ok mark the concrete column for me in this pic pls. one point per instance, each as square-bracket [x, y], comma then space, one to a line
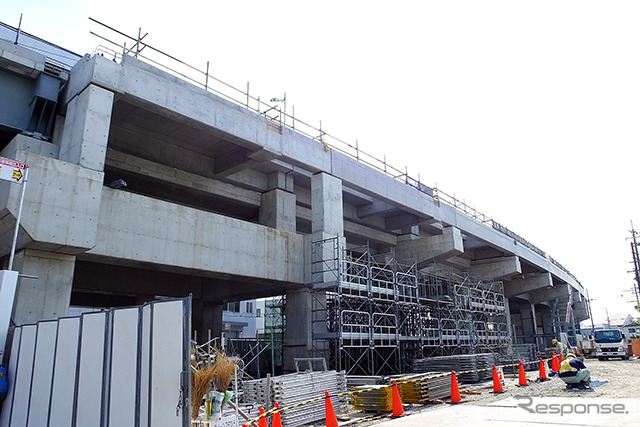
[278, 210]
[298, 335]
[534, 324]
[209, 316]
[527, 323]
[86, 131]
[409, 232]
[327, 218]
[46, 296]
[327, 214]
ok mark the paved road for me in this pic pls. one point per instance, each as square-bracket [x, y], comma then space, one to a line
[554, 411]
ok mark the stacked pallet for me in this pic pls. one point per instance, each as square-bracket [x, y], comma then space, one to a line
[293, 389]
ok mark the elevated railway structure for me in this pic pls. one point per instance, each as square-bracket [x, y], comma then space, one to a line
[228, 198]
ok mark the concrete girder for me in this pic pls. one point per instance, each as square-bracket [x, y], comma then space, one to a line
[544, 295]
[371, 234]
[458, 262]
[399, 221]
[432, 248]
[375, 208]
[518, 287]
[496, 268]
[232, 162]
[129, 163]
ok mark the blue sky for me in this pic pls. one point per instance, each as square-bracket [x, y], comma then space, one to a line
[527, 110]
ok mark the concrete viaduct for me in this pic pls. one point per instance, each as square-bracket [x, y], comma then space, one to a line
[221, 202]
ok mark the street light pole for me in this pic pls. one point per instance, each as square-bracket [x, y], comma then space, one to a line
[590, 312]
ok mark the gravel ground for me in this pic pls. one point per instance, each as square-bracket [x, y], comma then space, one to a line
[619, 377]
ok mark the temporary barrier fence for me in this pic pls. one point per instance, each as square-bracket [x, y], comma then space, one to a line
[121, 367]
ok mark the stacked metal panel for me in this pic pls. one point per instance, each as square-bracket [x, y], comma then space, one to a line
[423, 388]
[469, 364]
[524, 352]
[378, 398]
[293, 389]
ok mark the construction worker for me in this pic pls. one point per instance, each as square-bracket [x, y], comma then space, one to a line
[560, 347]
[574, 373]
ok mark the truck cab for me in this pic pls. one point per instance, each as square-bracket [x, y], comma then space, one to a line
[610, 343]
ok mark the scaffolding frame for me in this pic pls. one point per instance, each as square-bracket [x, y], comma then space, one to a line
[373, 314]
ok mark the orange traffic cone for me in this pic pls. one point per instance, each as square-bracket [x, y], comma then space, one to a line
[263, 419]
[497, 384]
[277, 421]
[543, 372]
[398, 410]
[522, 379]
[330, 416]
[455, 391]
[555, 363]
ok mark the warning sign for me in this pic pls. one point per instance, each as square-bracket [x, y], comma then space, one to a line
[13, 171]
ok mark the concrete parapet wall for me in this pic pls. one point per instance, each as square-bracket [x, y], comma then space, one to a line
[142, 229]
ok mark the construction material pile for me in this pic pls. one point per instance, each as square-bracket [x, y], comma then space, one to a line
[424, 388]
[475, 367]
[292, 389]
[516, 352]
[377, 398]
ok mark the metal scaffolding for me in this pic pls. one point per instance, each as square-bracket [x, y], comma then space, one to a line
[374, 314]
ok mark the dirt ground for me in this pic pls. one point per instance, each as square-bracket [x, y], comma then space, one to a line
[617, 377]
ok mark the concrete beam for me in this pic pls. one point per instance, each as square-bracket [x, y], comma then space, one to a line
[496, 268]
[232, 162]
[544, 295]
[458, 262]
[375, 208]
[528, 284]
[432, 248]
[399, 221]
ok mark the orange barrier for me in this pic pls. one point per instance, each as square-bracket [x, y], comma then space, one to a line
[543, 372]
[277, 421]
[555, 364]
[398, 409]
[455, 391]
[497, 384]
[522, 378]
[330, 416]
[263, 420]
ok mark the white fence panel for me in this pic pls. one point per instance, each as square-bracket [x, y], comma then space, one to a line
[42, 374]
[166, 347]
[23, 376]
[123, 371]
[5, 413]
[91, 366]
[63, 390]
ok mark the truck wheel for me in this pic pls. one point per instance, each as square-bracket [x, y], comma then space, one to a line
[625, 358]
[600, 358]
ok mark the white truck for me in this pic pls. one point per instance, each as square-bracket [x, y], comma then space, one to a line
[610, 343]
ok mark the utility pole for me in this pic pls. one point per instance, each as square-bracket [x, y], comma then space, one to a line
[636, 265]
[590, 312]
